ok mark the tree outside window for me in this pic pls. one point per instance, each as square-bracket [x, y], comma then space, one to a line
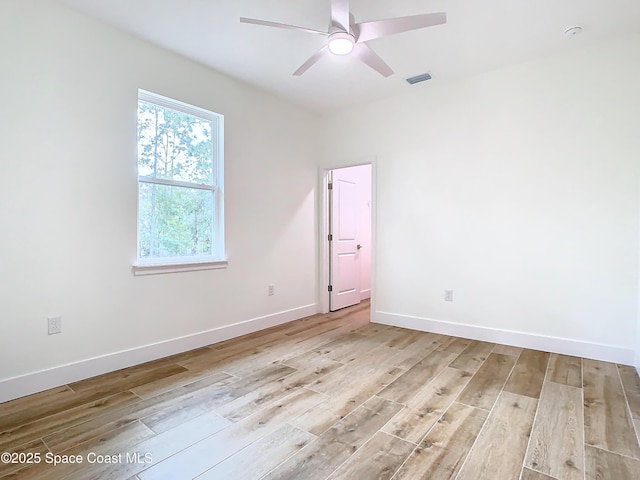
[179, 180]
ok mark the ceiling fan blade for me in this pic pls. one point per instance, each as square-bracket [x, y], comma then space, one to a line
[371, 58]
[340, 14]
[323, 52]
[382, 28]
[280, 25]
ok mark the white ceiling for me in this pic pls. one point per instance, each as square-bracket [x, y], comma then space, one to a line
[479, 36]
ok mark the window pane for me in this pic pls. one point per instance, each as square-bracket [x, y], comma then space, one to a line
[174, 145]
[174, 221]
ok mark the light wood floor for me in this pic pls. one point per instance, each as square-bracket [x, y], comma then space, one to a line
[333, 396]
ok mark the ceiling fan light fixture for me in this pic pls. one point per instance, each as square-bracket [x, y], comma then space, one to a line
[341, 43]
[344, 36]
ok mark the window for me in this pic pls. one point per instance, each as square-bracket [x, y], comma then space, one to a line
[180, 194]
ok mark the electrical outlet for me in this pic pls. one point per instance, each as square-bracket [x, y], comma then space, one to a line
[448, 295]
[271, 290]
[55, 325]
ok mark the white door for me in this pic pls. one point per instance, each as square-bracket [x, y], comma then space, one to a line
[344, 268]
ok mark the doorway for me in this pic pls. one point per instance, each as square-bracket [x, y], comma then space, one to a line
[348, 222]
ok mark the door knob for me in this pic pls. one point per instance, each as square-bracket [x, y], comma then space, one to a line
[358, 246]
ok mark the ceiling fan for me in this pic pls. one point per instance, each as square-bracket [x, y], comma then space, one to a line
[347, 37]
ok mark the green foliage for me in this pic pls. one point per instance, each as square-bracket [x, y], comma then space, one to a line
[174, 221]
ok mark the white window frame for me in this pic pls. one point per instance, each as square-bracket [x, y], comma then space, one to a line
[149, 266]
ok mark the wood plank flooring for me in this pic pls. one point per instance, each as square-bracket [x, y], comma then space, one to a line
[335, 397]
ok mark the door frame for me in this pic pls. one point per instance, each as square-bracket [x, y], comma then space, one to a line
[323, 229]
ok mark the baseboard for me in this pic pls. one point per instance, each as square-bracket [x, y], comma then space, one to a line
[22, 385]
[566, 346]
[364, 294]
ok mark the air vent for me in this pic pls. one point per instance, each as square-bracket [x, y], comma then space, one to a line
[418, 78]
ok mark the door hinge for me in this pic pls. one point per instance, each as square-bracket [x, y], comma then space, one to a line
[330, 186]
[330, 237]
[330, 288]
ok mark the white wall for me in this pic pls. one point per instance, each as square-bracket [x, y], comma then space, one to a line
[637, 359]
[517, 189]
[68, 193]
[637, 363]
[637, 353]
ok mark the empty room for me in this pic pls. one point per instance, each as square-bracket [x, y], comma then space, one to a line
[319, 239]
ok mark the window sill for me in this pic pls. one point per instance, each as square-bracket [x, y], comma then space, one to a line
[158, 268]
